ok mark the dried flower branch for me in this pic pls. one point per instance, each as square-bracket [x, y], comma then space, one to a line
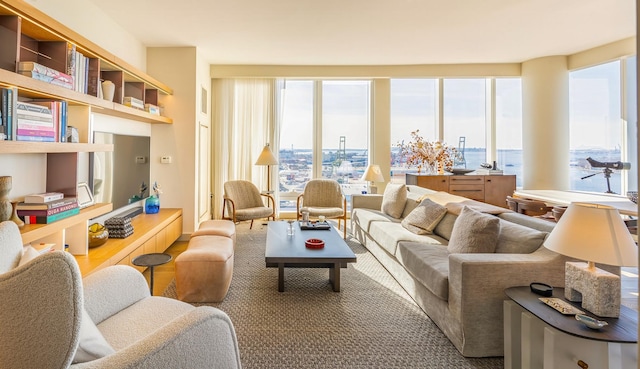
[425, 154]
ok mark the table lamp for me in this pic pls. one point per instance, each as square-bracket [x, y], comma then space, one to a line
[373, 174]
[595, 233]
[267, 158]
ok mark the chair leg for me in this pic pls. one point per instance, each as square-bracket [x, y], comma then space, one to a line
[251, 225]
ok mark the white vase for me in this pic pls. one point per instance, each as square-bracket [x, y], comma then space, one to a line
[108, 90]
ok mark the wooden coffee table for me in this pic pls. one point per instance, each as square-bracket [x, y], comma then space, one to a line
[284, 251]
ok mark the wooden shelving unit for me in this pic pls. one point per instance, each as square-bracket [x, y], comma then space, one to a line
[29, 35]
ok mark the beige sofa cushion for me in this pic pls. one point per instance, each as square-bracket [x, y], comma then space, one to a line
[388, 234]
[474, 232]
[429, 264]
[364, 217]
[424, 218]
[445, 226]
[393, 199]
[518, 239]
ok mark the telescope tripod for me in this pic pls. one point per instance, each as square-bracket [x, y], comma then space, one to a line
[607, 175]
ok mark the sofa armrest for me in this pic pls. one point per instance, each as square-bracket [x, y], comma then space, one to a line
[202, 338]
[367, 201]
[477, 283]
[112, 289]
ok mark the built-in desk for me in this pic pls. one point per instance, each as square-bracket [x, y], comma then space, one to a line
[557, 197]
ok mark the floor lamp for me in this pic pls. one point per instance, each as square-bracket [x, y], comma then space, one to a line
[267, 158]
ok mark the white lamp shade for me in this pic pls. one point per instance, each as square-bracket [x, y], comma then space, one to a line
[593, 232]
[373, 174]
[266, 157]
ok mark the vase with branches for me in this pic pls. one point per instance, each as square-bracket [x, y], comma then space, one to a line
[431, 156]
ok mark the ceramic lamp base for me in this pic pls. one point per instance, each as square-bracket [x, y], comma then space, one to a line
[598, 289]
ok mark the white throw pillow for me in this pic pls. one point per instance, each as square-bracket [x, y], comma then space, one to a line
[424, 218]
[394, 199]
[474, 232]
[92, 344]
[28, 253]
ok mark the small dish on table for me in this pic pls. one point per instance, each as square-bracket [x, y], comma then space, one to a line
[590, 322]
[459, 171]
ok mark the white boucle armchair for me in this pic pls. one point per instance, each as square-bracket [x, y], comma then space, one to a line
[41, 309]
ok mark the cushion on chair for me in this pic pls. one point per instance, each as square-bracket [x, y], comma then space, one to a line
[253, 213]
[393, 199]
[474, 232]
[10, 246]
[91, 345]
[323, 193]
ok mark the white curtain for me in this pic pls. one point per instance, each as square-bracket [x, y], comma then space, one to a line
[245, 115]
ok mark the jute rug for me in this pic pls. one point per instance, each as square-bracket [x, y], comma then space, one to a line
[371, 323]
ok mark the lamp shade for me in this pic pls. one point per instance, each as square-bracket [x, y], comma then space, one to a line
[595, 233]
[373, 174]
[266, 157]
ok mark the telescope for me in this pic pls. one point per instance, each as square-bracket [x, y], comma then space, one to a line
[611, 165]
[608, 169]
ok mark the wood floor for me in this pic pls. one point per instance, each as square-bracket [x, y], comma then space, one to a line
[164, 274]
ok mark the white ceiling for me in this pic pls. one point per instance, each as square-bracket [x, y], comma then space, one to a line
[375, 32]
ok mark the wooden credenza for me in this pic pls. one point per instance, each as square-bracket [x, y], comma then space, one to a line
[490, 189]
[152, 233]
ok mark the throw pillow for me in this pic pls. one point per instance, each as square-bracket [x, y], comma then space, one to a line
[393, 199]
[424, 218]
[474, 232]
[91, 345]
[28, 253]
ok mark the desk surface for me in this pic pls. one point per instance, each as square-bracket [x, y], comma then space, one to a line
[557, 197]
[623, 329]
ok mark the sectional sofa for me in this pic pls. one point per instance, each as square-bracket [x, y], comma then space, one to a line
[462, 292]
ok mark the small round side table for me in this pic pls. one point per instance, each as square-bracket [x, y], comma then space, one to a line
[151, 260]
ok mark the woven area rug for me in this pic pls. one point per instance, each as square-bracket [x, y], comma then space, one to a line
[371, 323]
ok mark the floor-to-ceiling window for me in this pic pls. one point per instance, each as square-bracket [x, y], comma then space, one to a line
[324, 133]
[597, 129]
[508, 126]
[413, 107]
[465, 114]
[473, 112]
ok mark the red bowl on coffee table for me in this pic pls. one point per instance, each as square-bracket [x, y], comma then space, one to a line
[314, 243]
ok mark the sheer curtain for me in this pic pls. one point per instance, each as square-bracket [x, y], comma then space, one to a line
[245, 118]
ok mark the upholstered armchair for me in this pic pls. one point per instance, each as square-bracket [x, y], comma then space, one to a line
[243, 201]
[323, 197]
[51, 318]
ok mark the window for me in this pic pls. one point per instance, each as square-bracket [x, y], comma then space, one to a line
[324, 133]
[509, 126]
[465, 116]
[596, 126]
[413, 107]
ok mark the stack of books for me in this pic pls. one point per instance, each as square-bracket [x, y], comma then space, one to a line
[38, 120]
[133, 102]
[46, 208]
[45, 74]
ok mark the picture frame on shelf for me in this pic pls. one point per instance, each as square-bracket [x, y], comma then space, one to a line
[85, 197]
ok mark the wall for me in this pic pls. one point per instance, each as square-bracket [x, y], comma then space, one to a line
[89, 21]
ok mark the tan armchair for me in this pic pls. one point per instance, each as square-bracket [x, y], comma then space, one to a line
[243, 201]
[323, 197]
[45, 303]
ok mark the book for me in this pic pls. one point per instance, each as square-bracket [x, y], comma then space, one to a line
[39, 198]
[483, 171]
[48, 79]
[133, 102]
[35, 138]
[152, 109]
[44, 71]
[48, 212]
[31, 219]
[36, 132]
[46, 205]
[71, 64]
[9, 101]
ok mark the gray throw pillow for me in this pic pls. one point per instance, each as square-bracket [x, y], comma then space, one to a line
[424, 218]
[474, 232]
[393, 199]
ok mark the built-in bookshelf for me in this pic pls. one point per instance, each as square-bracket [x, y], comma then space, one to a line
[30, 36]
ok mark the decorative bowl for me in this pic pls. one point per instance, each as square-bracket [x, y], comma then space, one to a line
[590, 322]
[633, 196]
[98, 235]
[314, 243]
[459, 171]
